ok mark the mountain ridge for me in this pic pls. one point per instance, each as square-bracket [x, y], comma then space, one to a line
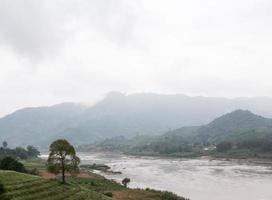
[120, 115]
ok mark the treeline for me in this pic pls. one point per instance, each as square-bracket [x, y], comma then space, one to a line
[18, 152]
[9, 158]
[166, 145]
[256, 145]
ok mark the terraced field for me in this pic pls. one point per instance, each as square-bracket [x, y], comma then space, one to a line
[27, 187]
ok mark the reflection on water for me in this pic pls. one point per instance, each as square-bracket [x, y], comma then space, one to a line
[197, 179]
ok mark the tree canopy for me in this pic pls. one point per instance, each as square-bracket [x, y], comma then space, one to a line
[62, 158]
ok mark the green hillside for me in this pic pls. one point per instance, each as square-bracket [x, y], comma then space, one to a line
[21, 186]
[242, 128]
[27, 187]
[236, 126]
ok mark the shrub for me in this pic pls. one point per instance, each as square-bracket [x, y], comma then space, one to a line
[171, 196]
[9, 163]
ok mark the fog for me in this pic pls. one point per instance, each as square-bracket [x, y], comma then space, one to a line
[59, 51]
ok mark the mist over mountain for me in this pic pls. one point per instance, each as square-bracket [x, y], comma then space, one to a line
[120, 115]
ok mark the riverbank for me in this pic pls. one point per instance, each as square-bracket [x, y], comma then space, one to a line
[88, 180]
[241, 156]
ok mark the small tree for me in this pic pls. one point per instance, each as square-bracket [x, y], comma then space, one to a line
[125, 181]
[32, 151]
[5, 144]
[62, 158]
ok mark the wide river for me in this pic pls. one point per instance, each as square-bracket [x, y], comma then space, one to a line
[197, 179]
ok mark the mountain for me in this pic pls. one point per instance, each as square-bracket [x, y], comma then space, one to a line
[34, 125]
[120, 115]
[237, 126]
[245, 130]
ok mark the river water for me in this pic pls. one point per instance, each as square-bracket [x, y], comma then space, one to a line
[197, 179]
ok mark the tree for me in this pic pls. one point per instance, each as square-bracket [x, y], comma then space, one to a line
[21, 152]
[5, 144]
[125, 181]
[32, 151]
[223, 146]
[62, 158]
[9, 163]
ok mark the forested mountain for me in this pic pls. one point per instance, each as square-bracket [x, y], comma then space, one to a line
[241, 128]
[120, 115]
[236, 126]
[35, 125]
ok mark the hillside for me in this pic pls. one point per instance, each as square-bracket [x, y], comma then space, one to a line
[232, 125]
[25, 187]
[240, 127]
[20, 186]
[35, 125]
[119, 115]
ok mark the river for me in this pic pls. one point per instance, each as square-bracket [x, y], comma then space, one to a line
[197, 179]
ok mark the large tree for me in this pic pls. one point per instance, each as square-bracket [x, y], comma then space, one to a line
[62, 158]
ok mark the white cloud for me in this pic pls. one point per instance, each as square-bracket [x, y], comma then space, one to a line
[70, 50]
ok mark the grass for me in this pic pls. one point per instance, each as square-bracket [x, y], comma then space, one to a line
[28, 187]
[32, 163]
[89, 186]
[119, 192]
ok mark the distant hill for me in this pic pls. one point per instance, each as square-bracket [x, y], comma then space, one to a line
[241, 128]
[239, 125]
[120, 115]
[35, 125]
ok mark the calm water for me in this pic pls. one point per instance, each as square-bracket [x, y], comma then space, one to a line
[197, 179]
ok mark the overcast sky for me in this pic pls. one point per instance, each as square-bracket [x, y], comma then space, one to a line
[54, 51]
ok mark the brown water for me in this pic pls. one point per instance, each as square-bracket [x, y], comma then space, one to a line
[197, 179]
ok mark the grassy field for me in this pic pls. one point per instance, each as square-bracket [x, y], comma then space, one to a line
[28, 187]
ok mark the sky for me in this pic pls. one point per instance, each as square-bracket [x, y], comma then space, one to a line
[54, 51]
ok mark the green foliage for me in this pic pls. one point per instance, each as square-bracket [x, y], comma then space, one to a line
[27, 187]
[9, 163]
[19, 152]
[32, 151]
[170, 196]
[240, 129]
[223, 146]
[62, 158]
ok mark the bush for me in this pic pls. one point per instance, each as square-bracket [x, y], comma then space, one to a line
[9, 163]
[171, 196]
